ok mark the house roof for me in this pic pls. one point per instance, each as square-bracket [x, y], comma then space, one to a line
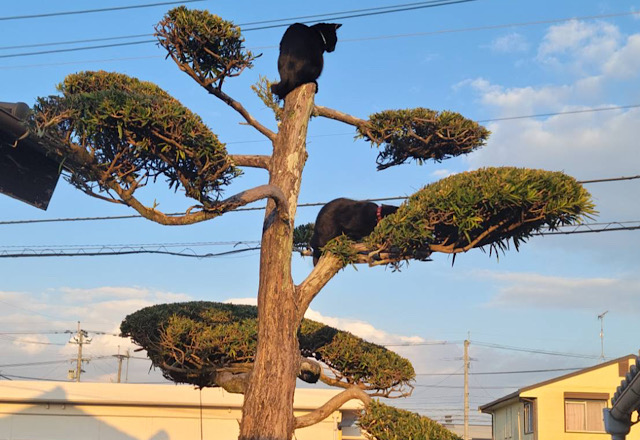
[503, 400]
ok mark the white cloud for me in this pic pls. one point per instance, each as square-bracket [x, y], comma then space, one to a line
[625, 62]
[31, 344]
[76, 295]
[579, 45]
[361, 329]
[243, 301]
[510, 43]
[441, 173]
[587, 145]
[523, 100]
[551, 292]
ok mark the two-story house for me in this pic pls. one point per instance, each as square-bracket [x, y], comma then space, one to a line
[568, 407]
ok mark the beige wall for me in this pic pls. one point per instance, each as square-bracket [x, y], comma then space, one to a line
[508, 422]
[33, 411]
[550, 402]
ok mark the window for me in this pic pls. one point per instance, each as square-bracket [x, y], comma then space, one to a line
[528, 417]
[584, 415]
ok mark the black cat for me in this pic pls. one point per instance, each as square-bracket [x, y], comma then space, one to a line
[300, 59]
[356, 219]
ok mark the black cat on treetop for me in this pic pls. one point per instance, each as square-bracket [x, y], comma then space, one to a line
[300, 59]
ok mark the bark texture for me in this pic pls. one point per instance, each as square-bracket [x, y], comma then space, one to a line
[268, 407]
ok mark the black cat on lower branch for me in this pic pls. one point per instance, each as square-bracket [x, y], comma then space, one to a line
[300, 59]
[354, 218]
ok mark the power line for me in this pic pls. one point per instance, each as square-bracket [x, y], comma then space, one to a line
[587, 228]
[382, 37]
[327, 16]
[75, 49]
[31, 364]
[90, 11]
[497, 26]
[336, 16]
[63, 43]
[534, 351]
[417, 344]
[52, 332]
[111, 250]
[13, 376]
[568, 112]
[459, 387]
[259, 208]
[25, 341]
[186, 253]
[484, 373]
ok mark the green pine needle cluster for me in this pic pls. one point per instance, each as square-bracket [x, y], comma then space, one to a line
[382, 422]
[353, 359]
[190, 341]
[486, 207]
[133, 131]
[212, 48]
[421, 134]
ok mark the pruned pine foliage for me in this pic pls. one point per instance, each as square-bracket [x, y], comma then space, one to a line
[354, 361]
[211, 47]
[486, 207]
[421, 134]
[118, 129]
[263, 90]
[382, 422]
[191, 341]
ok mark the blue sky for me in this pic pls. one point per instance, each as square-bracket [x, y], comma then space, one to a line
[546, 297]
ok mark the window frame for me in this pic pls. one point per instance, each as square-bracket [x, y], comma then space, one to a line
[529, 417]
[585, 398]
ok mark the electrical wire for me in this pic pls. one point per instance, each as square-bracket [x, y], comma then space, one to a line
[90, 11]
[259, 208]
[110, 250]
[535, 351]
[25, 341]
[568, 112]
[383, 37]
[484, 373]
[186, 253]
[31, 364]
[321, 17]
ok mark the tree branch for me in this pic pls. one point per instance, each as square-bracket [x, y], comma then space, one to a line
[233, 202]
[327, 267]
[251, 161]
[218, 93]
[330, 113]
[332, 405]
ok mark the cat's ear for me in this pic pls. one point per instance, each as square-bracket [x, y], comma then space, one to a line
[337, 25]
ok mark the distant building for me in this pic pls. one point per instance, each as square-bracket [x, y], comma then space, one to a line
[569, 407]
[99, 411]
[476, 432]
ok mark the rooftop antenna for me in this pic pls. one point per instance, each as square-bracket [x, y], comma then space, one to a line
[601, 318]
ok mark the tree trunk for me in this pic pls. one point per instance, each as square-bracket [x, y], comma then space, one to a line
[268, 407]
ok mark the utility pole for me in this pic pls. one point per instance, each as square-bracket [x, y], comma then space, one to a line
[601, 318]
[81, 338]
[126, 374]
[120, 358]
[466, 389]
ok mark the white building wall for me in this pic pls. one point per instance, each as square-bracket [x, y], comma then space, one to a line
[63, 411]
